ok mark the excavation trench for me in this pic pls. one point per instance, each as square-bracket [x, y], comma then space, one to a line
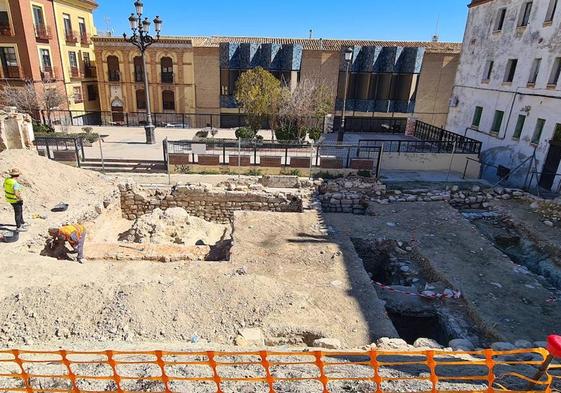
[408, 287]
[521, 250]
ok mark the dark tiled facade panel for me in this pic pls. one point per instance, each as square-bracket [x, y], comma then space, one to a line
[272, 57]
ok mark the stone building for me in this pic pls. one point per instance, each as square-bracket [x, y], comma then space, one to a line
[48, 44]
[389, 81]
[507, 92]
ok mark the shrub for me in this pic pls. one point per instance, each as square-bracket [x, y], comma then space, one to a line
[254, 172]
[259, 137]
[245, 133]
[286, 132]
[87, 130]
[294, 172]
[91, 137]
[314, 133]
[42, 128]
[364, 173]
[201, 134]
[326, 176]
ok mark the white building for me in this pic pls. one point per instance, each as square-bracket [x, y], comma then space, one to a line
[507, 92]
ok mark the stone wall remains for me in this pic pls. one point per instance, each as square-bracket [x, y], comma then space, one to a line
[358, 196]
[211, 204]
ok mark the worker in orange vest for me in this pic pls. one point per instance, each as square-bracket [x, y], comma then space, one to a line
[75, 235]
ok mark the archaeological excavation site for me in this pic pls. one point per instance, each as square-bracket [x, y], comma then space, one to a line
[297, 267]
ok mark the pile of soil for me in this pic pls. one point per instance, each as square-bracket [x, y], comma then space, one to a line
[175, 226]
[47, 183]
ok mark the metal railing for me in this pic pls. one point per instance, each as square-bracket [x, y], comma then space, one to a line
[43, 32]
[428, 132]
[50, 146]
[413, 146]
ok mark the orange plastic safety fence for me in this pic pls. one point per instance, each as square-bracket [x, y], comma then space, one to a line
[270, 372]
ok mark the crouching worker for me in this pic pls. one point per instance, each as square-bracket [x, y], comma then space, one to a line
[75, 235]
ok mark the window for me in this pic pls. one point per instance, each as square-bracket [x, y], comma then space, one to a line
[488, 71]
[113, 67]
[497, 122]
[557, 133]
[78, 95]
[510, 70]
[140, 99]
[82, 26]
[477, 117]
[5, 28]
[519, 127]
[525, 14]
[540, 124]
[45, 59]
[499, 22]
[92, 92]
[551, 11]
[38, 16]
[9, 61]
[168, 100]
[74, 70]
[166, 65]
[534, 72]
[138, 69]
[555, 72]
[67, 25]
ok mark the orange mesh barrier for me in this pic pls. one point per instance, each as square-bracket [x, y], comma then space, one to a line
[269, 372]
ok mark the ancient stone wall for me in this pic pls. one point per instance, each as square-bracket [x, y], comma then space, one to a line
[16, 130]
[211, 204]
[361, 196]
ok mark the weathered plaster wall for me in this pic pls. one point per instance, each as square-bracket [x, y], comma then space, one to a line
[431, 162]
[482, 44]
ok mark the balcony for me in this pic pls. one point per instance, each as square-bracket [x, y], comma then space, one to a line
[71, 37]
[90, 71]
[78, 99]
[43, 33]
[167, 77]
[84, 38]
[75, 72]
[11, 72]
[48, 74]
[114, 76]
[6, 31]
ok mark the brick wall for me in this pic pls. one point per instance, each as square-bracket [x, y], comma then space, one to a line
[211, 204]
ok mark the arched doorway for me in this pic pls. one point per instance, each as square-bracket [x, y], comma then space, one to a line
[117, 111]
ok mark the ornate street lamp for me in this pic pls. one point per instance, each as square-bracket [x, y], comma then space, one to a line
[142, 39]
[348, 59]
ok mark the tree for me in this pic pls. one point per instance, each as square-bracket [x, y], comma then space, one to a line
[32, 99]
[258, 93]
[310, 101]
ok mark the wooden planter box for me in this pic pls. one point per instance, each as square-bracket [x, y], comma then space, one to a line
[243, 161]
[300, 162]
[179, 158]
[362, 164]
[209, 160]
[330, 163]
[271, 161]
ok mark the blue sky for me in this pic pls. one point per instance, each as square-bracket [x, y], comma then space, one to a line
[409, 20]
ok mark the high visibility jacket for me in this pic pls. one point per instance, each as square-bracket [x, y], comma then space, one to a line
[72, 233]
[10, 190]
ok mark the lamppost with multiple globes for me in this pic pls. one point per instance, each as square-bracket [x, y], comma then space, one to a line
[142, 39]
[348, 59]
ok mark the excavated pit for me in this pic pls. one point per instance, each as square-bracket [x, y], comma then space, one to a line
[405, 283]
[521, 250]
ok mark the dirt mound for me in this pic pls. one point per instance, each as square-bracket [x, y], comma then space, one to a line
[175, 226]
[47, 183]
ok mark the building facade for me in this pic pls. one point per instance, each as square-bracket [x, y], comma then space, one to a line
[389, 81]
[34, 47]
[507, 92]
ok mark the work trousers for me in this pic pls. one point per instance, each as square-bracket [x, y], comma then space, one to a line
[18, 212]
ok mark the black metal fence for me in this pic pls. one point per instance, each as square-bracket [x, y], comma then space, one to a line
[66, 149]
[273, 154]
[132, 119]
[410, 146]
[428, 133]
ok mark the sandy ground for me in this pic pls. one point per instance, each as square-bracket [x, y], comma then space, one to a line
[288, 279]
[509, 302]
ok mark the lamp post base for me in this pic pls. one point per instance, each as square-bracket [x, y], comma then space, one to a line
[150, 134]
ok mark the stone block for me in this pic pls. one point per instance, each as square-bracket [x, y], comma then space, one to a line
[250, 337]
[327, 343]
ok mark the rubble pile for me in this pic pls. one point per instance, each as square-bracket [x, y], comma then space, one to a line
[175, 226]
